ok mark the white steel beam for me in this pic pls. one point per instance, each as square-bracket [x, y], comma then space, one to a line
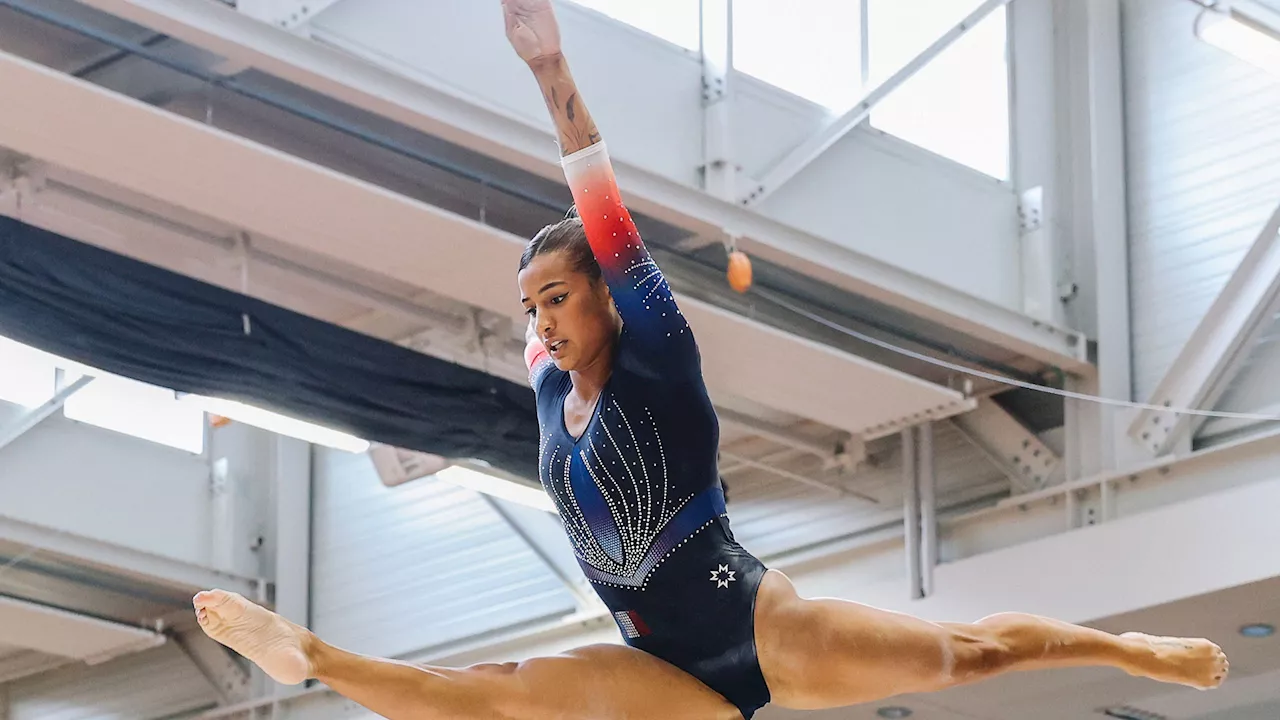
[796, 477]
[288, 14]
[291, 472]
[1099, 226]
[70, 635]
[449, 113]
[919, 509]
[911, 512]
[1213, 353]
[203, 169]
[123, 561]
[926, 472]
[32, 418]
[838, 127]
[839, 445]
[1019, 453]
[719, 171]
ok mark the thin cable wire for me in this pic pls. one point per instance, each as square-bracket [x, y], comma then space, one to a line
[783, 302]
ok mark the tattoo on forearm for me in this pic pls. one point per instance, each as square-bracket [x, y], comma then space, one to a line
[574, 125]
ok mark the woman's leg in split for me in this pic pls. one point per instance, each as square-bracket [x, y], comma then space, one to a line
[827, 653]
[600, 682]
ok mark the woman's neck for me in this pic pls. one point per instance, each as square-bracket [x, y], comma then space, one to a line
[590, 380]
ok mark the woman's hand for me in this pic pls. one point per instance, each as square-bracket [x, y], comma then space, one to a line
[535, 35]
[531, 332]
[532, 30]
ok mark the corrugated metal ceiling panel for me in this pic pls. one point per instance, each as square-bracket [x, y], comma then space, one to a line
[398, 570]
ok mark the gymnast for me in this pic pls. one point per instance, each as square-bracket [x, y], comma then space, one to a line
[628, 454]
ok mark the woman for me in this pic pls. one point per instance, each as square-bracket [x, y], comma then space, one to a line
[628, 453]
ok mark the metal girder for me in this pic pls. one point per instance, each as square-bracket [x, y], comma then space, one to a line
[292, 474]
[920, 511]
[67, 634]
[911, 513]
[797, 477]
[1019, 453]
[168, 572]
[1214, 352]
[837, 128]
[34, 417]
[842, 444]
[288, 14]
[927, 474]
[1095, 175]
[448, 113]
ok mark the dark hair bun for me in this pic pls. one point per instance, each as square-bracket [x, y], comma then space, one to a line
[572, 214]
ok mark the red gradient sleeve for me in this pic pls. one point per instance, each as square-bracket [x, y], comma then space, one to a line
[640, 291]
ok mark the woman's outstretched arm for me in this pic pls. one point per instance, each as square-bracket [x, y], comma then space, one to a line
[639, 289]
[535, 35]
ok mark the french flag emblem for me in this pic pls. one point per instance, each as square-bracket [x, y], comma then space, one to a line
[632, 626]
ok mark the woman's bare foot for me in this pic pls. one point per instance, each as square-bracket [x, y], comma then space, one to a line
[1194, 662]
[266, 639]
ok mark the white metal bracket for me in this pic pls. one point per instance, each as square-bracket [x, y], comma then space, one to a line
[1215, 351]
[1018, 452]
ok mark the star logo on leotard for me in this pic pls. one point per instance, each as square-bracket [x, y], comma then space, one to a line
[723, 576]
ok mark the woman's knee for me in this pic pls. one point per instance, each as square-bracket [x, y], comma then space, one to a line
[977, 651]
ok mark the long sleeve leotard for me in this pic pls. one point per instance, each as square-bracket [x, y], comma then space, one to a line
[639, 492]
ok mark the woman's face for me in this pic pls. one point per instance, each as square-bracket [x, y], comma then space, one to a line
[573, 315]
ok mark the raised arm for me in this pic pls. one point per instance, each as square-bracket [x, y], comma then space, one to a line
[640, 291]
[535, 35]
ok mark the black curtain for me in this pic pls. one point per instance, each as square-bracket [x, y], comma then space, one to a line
[146, 323]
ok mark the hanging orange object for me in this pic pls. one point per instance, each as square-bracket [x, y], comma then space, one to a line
[739, 272]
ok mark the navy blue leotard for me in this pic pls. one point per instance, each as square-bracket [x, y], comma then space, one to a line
[639, 491]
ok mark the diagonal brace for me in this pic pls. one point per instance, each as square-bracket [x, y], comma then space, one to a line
[31, 419]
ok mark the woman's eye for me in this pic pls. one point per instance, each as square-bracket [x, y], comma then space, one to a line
[558, 299]
[531, 311]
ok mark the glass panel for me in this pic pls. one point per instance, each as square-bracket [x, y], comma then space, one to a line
[811, 48]
[143, 411]
[676, 21]
[26, 374]
[899, 30]
[958, 105]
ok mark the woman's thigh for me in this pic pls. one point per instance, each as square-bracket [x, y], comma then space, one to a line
[826, 653]
[608, 682]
